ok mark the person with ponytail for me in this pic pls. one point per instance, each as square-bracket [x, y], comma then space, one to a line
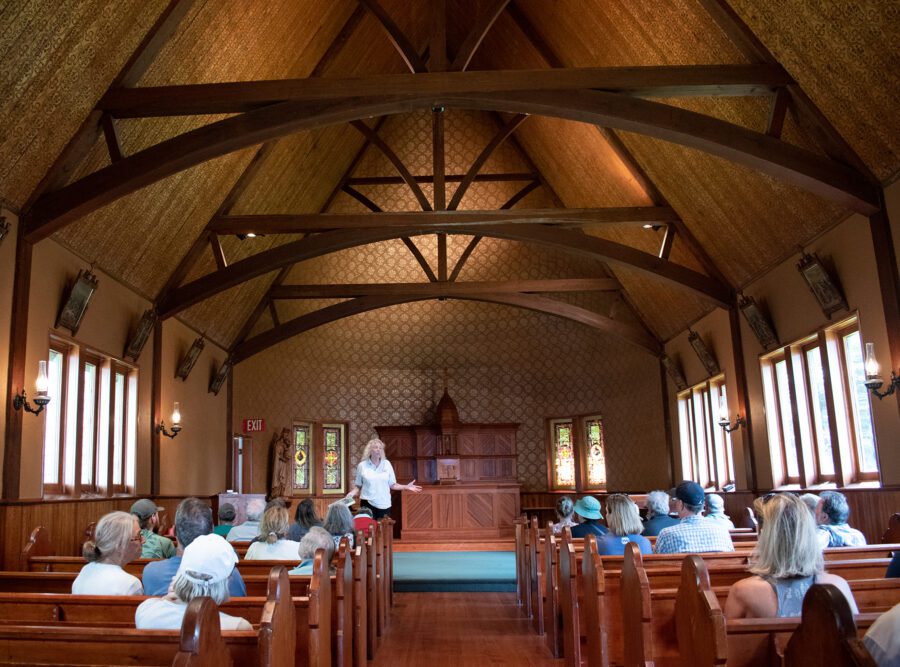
[117, 541]
[271, 543]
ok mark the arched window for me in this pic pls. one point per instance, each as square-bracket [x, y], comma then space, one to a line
[576, 453]
[319, 462]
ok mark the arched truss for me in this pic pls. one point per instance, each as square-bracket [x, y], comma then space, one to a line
[572, 242]
[820, 175]
[541, 304]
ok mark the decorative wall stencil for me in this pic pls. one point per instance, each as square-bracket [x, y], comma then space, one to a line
[706, 358]
[219, 378]
[189, 359]
[759, 322]
[824, 287]
[141, 334]
[76, 302]
[674, 370]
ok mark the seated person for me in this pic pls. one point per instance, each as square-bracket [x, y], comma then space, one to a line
[693, 534]
[226, 518]
[893, 571]
[205, 566]
[832, 513]
[715, 510]
[117, 541]
[587, 511]
[193, 518]
[339, 522]
[787, 560]
[317, 538]
[249, 530]
[305, 517]
[363, 520]
[271, 544]
[811, 500]
[883, 638]
[657, 513]
[565, 509]
[155, 546]
[624, 521]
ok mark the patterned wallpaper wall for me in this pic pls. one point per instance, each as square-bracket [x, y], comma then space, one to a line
[505, 365]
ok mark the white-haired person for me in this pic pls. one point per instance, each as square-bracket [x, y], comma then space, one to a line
[375, 479]
[205, 567]
[715, 510]
[339, 523]
[565, 514]
[832, 513]
[787, 560]
[624, 521]
[658, 503]
[316, 538]
[271, 543]
[117, 541]
[249, 530]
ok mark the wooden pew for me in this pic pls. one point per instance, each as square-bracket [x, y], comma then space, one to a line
[360, 611]
[595, 616]
[536, 585]
[893, 532]
[552, 615]
[519, 526]
[371, 596]
[704, 638]
[201, 643]
[105, 634]
[568, 601]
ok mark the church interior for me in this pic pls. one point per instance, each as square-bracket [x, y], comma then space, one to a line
[538, 248]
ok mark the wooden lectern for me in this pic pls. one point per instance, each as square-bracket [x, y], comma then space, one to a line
[448, 471]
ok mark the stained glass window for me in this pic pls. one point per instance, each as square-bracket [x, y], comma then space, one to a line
[333, 457]
[596, 452]
[563, 454]
[302, 442]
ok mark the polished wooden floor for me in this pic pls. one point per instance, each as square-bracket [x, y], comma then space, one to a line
[444, 629]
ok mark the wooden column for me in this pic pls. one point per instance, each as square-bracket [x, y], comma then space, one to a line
[229, 430]
[155, 407]
[18, 336]
[740, 381]
[886, 264]
[667, 421]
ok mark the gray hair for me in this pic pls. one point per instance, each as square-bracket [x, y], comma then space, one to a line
[564, 507]
[187, 589]
[657, 504]
[317, 538]
[111, 536]
[811, 500]
[338, 520]
[835, 507]
[193, 518]
[255, 509]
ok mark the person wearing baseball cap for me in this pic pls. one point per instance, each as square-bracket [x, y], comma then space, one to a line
[587, 512]
[155, 546]
[207, 563]
[694, 533]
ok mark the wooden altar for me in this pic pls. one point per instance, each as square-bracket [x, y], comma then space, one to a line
[468, 475]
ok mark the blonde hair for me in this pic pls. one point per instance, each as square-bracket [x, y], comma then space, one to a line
[622, 515]
[368, 448]
[111, 536]
[788, 545]
[274, 524]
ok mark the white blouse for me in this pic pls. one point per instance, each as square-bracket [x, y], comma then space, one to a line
[281, 550]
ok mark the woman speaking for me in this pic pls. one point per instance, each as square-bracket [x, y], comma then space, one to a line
[375, 480]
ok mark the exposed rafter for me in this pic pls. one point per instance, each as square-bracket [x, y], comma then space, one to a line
[477, 34]
[442, 289]
[403, 46]
[571, 242]
[339, 311]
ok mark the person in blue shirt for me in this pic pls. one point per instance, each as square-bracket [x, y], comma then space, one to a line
[587, 510]
[624, 521]
[193, 518]
[657, 513]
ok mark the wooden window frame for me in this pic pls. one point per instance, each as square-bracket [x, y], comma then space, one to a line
[704, 466]
[317, 458]
[580, 445]
[118, 368]
[59, 487]
[92, 488]
[803, 349]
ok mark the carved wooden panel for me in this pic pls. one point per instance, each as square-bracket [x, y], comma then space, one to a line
[427, 471]
[417, 511]
[398, 445]
[426, 443]
[488, 469]
[504, 443]
[468, 470]
[467, 443]
[404, 469]
[480, 510]
[507, 508]
[450, 510]
[486, 443]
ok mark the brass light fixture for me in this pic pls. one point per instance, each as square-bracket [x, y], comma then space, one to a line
[176, 424]
[41, 398]
[873, 380]
[726, 425]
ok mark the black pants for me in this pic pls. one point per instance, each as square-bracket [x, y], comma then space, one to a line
[377, 512]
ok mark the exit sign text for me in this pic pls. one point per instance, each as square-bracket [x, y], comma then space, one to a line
[254, 425]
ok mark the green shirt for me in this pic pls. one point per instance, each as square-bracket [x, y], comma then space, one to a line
[222, 529]
[156, 546]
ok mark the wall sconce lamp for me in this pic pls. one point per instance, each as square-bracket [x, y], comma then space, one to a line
[41, 398]
[723, 418]
[873, 381]
[176, 424]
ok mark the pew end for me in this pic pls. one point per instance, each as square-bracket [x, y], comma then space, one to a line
[201, 643]
[699, 620]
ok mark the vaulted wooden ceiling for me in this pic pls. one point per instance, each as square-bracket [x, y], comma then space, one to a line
[152, 137]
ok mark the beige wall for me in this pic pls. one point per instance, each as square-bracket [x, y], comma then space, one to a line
[795, 314]
[113, 312]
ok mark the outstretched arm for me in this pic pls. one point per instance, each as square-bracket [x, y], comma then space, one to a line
[412, 486]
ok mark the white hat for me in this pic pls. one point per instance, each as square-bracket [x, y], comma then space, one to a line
[210, 556]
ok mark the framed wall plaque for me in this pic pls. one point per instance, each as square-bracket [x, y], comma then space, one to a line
[674, 371]
[219, 378]
[824, 287]
[189, 359]
[706, 358]
[141, 334]
[759, 323]
[76, 303]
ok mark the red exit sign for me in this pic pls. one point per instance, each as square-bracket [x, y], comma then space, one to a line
[254, 425]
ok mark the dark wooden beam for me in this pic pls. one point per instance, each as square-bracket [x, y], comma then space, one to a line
[464, 257]
[743, 398]
[358, 196]
[482, 158]
[217, 251]
[437, 46]
[420, 258]
[645, 81]
[437, 159]
[112, 138]
[317, 222]
[401, 43]
[441, 289]
[541, 304]
[477, 34]
[521, 194]
[156, 415]
[448, 178]
[821, 176]
[273, 313]
[395, 160]
[317, 245]
[888, 282]
[338, 43]
[257, 312]
[667, 421]
[777, 112]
